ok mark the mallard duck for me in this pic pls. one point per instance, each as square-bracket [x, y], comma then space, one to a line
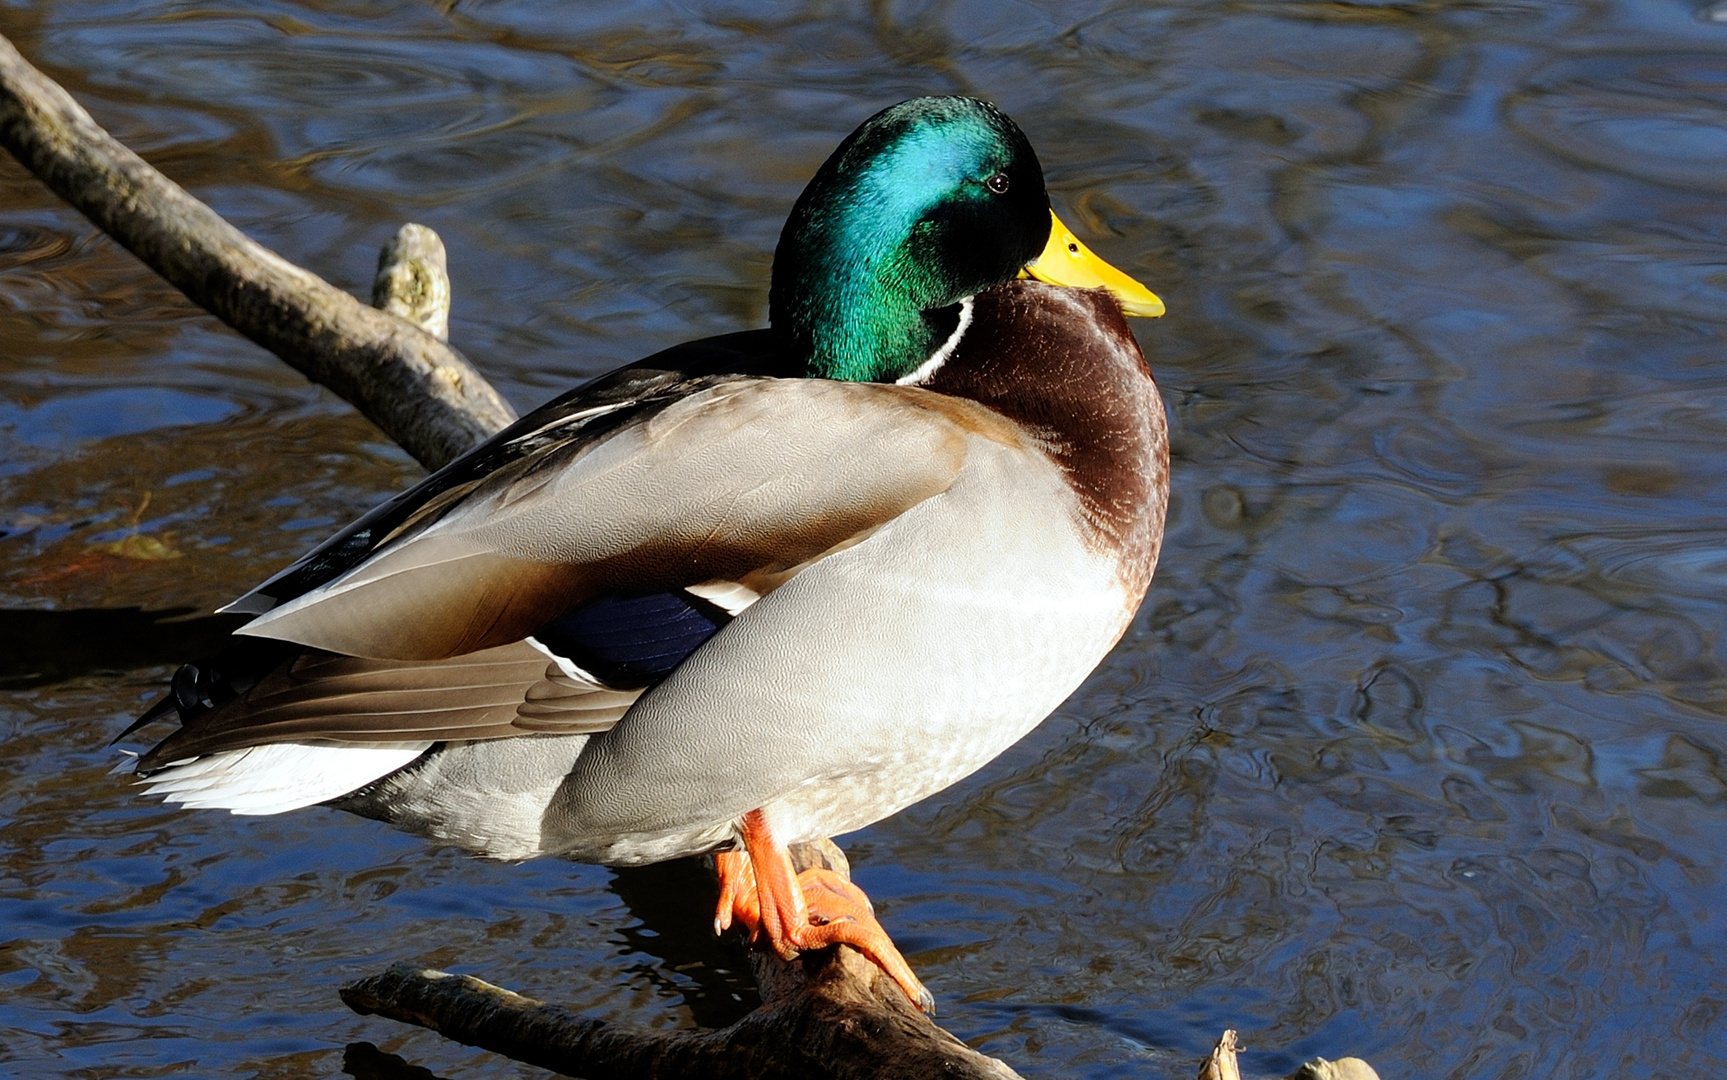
[753, 590]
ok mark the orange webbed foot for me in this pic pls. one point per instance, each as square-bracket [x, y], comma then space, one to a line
[840, 914]
[738, 902]
[811, 910]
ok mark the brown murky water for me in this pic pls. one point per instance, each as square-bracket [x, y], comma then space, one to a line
[1416, 751]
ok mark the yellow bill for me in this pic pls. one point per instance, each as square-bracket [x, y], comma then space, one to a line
[1066, 261]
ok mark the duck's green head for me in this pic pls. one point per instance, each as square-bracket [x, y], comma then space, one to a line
[929, 202]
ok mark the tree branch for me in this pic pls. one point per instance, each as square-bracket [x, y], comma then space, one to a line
[413, 281]
[827, 1030]
[421, 392]
[831, 1013]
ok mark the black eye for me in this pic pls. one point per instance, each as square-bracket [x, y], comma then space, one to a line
[997, 183]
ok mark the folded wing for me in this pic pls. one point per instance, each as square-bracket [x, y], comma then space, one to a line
[743, 480]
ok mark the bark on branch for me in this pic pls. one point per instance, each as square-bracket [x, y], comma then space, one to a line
[421, 392]
[830, 1014]
[827, 1030]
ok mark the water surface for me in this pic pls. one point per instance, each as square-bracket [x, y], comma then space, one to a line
[1416, 751]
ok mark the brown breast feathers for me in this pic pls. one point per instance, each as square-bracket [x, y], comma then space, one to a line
[1062, 363]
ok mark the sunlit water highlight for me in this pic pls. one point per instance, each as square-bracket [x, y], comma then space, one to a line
[1416, 751]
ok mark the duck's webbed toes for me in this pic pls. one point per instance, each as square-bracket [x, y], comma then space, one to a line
[840, 914]
[738, 903]
[789, 912]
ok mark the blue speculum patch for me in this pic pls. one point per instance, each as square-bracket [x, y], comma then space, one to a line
[633, 640]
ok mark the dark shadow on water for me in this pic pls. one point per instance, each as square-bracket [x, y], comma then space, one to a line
[674, 905]
[363, 1061]
[43, 647]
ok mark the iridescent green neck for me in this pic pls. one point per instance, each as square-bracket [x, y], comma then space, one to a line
[901, 221]
[860, 303]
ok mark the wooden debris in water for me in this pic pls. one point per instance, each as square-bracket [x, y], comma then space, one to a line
[413, 281]
[1342, 1069]
[1221, 1064]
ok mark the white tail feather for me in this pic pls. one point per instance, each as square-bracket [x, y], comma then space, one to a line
[277, 777]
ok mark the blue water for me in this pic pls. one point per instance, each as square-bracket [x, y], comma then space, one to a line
[1416, 751]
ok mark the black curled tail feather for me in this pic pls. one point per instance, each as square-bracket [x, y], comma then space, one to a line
[204, 685]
